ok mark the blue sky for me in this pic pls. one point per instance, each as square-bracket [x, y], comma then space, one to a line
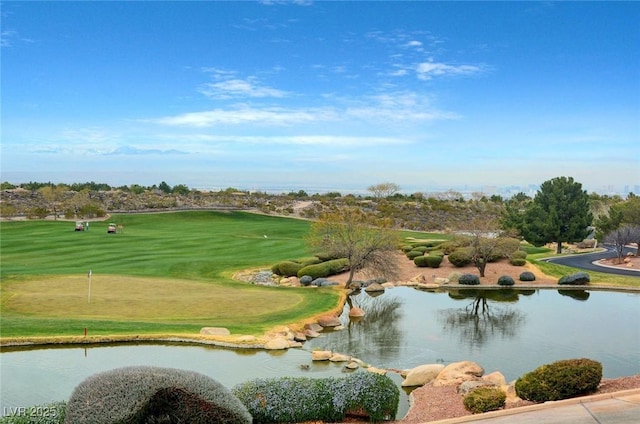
[321, 95]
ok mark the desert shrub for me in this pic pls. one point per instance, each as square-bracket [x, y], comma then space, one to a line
[469, 279]
[519, 254]
[448, 247]
[306, 280]
[37, 213]
[51, 413]
[153, 394]
[288, 268]
[319, 399]
[325, 269]
[527, 276]
[484, 399]
[517, 261]
[508, 246]
[586, 244]
[420, 261]
[505, 280]
[460, 257]
[454, 277]
[414, 254]
[560, 380]
[436, 252]
[578, 278]
[433, 261]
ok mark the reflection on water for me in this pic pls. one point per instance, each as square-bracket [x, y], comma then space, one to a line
[513, 331]
[506, 330]
[480, 320]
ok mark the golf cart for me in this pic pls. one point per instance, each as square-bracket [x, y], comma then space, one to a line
[111, 229]
[79, 226]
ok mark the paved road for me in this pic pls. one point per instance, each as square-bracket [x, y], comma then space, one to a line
[584, 261]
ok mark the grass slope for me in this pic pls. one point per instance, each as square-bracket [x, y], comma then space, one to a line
[166, 273]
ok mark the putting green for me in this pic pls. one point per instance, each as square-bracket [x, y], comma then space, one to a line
[116, 297]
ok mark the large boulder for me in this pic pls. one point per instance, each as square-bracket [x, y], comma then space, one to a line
[356, 312]
[329, 321]
[421, 375]
[374, 288]
[458, 372]
[277, 343]
[153, 395]
[321, 355]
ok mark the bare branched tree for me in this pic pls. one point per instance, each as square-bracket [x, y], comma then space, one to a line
[382, 190]
[621, 237]
[368, 243]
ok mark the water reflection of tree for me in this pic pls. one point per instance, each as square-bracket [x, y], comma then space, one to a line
[377, 334]
[480, 321]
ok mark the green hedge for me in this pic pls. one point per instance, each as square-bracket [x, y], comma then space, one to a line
[325, 269]
[484, 399]
[560, 380]
[517, 261]
[153, 394]
[290, 400]
[287, 268]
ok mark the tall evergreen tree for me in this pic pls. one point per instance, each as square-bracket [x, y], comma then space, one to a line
[559, 213]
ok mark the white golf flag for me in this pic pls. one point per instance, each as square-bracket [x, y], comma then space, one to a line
[90, 273]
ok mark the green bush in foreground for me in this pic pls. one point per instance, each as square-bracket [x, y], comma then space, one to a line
[412, 254]
[484, 399]
[579, 278]
[51, 413]
[290, 400]
[420, 261]
[287, 268]
[325, 269]
[560, 380]
[153, 395]
[428, 261]
[517, 261]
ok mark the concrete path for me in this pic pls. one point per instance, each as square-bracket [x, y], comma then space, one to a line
[611, 408]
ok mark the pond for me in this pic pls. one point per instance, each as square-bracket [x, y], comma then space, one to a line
[510, 331]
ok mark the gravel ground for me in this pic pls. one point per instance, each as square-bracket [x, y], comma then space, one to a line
[439, 403]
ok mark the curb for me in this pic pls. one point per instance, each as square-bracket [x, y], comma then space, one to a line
[538, 407]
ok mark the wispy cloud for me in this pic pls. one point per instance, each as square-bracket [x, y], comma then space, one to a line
[428, 70]
[130, 150]
[234, 88]
[273, 116]
[297, 140]
[9, 37]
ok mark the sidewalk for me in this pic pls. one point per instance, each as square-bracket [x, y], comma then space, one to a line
[611, 408]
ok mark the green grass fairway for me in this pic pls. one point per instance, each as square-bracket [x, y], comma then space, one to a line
[167, 273]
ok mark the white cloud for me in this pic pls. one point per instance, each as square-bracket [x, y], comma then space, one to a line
[233, 88]
[247, 115]
[298, 140]
[427, 70]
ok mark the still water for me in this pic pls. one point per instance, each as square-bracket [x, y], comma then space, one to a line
[513, 332]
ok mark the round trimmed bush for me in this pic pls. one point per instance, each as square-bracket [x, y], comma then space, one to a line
[520, 254]
[153, 395]
[560, 380]
[406, 248]
[414, 254]
[420, 248]
[433, 261]
[484, 399]
[579, 278]
[460, 257]
[517, 261]
[527, 276]
[505, 280]
[420, 261]
[469, 280]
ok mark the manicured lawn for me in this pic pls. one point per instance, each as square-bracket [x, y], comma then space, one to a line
[167, 273]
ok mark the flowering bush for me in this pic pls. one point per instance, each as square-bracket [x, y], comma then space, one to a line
[288, 399]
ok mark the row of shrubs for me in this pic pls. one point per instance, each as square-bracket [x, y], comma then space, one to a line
[151, 394]
[314, 267]
[460, 253]
[556, 381]
[291, 400]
